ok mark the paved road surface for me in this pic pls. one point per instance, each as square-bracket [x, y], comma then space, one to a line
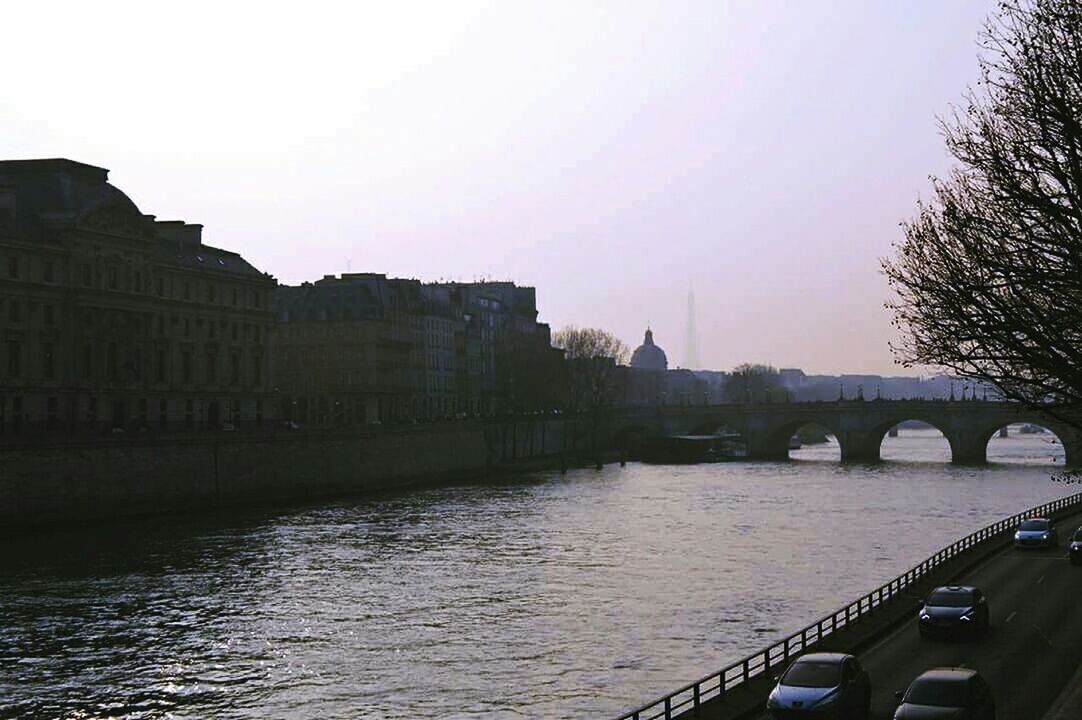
[1033, 647]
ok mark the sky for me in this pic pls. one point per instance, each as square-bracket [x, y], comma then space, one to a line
[613, 154]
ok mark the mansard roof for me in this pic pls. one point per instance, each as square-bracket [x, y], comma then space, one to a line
[58, 191]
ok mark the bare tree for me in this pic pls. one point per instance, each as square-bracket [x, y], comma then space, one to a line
[592, 356]
[753, 383]
[988, 280]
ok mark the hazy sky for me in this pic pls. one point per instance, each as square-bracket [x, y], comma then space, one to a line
[609, 153]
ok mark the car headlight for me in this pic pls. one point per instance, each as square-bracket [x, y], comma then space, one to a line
[924, 617]
[1044, 535]
[968, 614]
[1017, 534]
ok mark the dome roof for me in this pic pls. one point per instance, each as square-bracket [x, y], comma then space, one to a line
[649, 356]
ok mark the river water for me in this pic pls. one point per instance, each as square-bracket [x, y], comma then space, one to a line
[541, 596]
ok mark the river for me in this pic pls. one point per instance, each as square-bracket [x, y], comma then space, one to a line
[541, 596]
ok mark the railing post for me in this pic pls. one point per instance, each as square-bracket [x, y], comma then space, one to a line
[747, 671]
[668, 708]
[696, 700]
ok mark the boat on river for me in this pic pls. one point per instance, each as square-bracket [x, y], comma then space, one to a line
[687, 449]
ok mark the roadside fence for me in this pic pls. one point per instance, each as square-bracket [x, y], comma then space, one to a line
[730, 677]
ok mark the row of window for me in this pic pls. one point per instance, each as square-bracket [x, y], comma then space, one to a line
[117, 368]
[118, 413]
[118, 278]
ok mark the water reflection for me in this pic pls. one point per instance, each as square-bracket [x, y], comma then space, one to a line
[544, 596]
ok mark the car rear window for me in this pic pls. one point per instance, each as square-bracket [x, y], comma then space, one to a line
[1033, 525]
[948, 598]
[944, 692]
[813, 674]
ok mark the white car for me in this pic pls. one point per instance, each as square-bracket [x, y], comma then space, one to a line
[1036, 532]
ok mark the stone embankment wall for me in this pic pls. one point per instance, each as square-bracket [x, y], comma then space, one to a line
[44, 483]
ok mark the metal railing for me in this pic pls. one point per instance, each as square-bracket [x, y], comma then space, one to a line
[718, 683]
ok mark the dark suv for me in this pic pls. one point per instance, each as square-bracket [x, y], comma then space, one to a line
[952, 609]
[947, 693]
[1076, 547]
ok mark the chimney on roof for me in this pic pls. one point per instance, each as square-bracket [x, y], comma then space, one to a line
[185, 235]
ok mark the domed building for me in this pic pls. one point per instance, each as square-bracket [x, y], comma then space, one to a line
[649, 356]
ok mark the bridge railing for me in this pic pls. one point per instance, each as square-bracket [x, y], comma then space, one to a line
[730, 677]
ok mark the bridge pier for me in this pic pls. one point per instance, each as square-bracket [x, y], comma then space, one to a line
[859, 447]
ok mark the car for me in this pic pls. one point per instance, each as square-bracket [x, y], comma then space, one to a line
[1036, 532]
[822, 686]
[1076, 547]
[946, 692]
[953, 609]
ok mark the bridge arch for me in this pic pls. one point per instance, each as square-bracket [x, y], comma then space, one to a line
[1066, 438]
[869, 447]
[774, 443]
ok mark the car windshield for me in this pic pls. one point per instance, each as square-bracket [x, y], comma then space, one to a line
[943, 692]
[947, 598]
[1034, 525]
[813, 674]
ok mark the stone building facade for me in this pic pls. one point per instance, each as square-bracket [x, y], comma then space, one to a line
[113, 320]
[365, 348]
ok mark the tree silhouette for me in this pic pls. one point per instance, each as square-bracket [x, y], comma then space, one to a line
[988, 280]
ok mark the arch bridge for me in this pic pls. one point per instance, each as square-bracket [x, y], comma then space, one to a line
[858, 425]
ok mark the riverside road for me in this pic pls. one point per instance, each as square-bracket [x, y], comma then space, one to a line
[1031, 651]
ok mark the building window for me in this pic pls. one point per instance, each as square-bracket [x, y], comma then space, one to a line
[88, 361]
[187, 290]
[235, 332]
[48, 369]
[143, 412]
[235, 297]
[234, 362]
[161, 366]
[13, 266]
[186, 366]
[50, 413]
[189, 414]
[14, 352]
[48, 314]
[138, 282]
[110, 274]
[17, 414]
[210, 291]
[257, 370]
[187, 327]
[87, 275]
[13, 311]
[163, 413]
[161, 287]
[47, 272]
[212, 367]
[110, 361]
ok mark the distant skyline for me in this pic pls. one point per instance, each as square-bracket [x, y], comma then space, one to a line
[606, 153]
